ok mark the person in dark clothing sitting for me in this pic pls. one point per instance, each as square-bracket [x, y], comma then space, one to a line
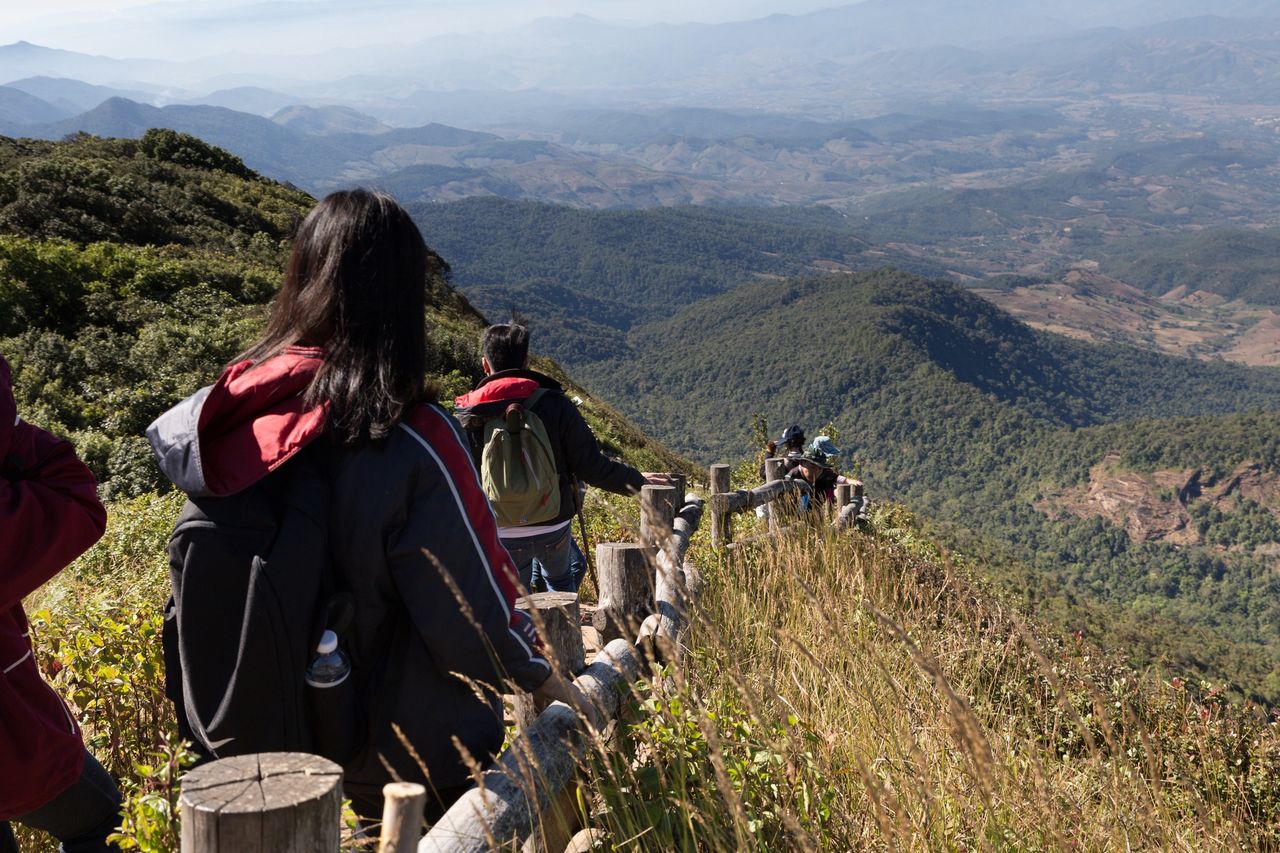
[577, 455]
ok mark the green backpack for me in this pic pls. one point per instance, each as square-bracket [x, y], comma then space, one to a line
[518, 467]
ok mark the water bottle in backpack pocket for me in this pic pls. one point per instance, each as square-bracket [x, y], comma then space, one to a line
[331, 696]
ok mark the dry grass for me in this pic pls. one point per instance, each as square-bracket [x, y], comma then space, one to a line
[861, 692]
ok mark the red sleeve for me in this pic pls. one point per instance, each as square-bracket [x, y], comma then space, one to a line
[49, 511]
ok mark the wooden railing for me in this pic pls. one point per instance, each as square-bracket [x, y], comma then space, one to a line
[647, 589]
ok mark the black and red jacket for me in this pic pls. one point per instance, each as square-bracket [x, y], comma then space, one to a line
[577, 453]
[407, 509]
[49, 515]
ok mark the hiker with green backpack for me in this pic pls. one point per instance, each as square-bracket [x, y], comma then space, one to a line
[533, 449]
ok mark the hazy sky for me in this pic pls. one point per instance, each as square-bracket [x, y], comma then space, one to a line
[183, 28]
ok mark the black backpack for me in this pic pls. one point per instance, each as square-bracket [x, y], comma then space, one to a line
[252, 594]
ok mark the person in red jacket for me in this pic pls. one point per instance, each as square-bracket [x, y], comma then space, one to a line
[49, 515]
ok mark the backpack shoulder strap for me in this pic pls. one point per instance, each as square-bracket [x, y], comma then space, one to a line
[532, 399]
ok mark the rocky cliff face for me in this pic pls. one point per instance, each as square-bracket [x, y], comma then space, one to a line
[1155, 506]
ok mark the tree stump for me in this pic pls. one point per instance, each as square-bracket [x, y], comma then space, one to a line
[721, 522]
[626, 576]
[278, 801]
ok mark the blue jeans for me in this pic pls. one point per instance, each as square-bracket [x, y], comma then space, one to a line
[543, 561]
[81, 817]
[577, 563]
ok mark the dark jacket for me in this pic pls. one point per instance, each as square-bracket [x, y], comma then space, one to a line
[49, 515]
[824, 486]
[577, 453]
[413, 534]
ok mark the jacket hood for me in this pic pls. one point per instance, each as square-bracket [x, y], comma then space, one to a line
[504, 386]
[502, 391]
[228, 436]
[8, 409]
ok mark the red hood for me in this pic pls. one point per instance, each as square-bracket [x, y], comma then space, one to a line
[498, 391]
[225, 438]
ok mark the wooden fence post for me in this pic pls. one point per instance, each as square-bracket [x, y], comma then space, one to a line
[657, 514]
[681, 482]
[280, 801]
[626, 576]
[555, 615]
[402, 804]
[721, 523]
[773, 473]
[844, 494]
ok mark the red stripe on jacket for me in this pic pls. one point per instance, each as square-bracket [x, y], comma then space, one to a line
[441, 433]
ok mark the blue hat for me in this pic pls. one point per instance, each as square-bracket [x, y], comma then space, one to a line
[823, 447]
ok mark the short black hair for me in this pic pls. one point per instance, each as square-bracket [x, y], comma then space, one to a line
[506, 345]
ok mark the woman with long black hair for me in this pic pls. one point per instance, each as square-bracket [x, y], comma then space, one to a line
[434, 637]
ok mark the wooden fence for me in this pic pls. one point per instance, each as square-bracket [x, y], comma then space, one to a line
[291, 801]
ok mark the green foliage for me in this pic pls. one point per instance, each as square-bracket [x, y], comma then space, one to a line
[1249, 526]
[105, 337]
[88, 189]
[151, 801]
[186, 150]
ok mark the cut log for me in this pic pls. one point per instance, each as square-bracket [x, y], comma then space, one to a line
[504, 809]
[772, 474]
[279, 801]
[555, 615]
[657, 514]
[402, 804]
[744, 499]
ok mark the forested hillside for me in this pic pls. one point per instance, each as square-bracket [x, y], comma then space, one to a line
[588, 277]
[977, 420]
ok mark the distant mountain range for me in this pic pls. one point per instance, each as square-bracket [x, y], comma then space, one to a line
[835, 63]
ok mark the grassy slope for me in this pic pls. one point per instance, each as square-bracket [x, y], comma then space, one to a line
[868, 693]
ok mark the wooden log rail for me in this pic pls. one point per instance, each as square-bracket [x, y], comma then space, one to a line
[725, 503]
[506, 807]
[290, 801]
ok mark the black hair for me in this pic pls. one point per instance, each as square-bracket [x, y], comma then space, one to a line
[356, 287]
[506, 345]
